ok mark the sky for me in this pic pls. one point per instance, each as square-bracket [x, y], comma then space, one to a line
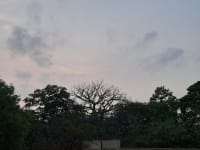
[136, 45]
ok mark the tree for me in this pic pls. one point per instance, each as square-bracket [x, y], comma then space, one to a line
[70, 136]
[161, 94]
[98, 99]
[15, 124]
[60, 120]
[190, 113]
[61, 133]
[163, 103]
[130, 121]
[167, 133]
[50, 102]
[190, 105]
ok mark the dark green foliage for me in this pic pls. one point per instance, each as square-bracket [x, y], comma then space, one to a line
[61, 134]
[162, 94]
[190, 113]
[190, 105]
[130, 116]
[59, 120]
[15, 124]
[53, 121]
[165, 98]
[50, 102]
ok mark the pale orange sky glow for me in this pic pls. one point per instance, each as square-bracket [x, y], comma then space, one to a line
[135, 45]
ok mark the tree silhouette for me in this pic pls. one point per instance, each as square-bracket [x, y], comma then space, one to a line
[98, 99]
[15, 124]
[50, 102]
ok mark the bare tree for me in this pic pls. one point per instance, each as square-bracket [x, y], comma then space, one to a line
[98, 98]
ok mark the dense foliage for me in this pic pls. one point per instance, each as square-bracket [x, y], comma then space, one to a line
[55, 119]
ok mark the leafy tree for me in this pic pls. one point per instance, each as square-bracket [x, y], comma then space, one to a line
[163, 104]
[166, 133]
[98, 99]
[161, 94]
[190, 113]
[190, 105]
[61, 133]
[131, 120]
[50, 102]
[60, 120]
[15, 124]
[71, 136]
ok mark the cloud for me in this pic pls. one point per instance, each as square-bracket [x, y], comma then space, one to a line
[167, 57]
[22, 42]
[170, 55]
[23, 75]
[148, 37]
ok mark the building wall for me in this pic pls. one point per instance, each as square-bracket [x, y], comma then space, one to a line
[92, 145]
[115, 145]
[111, 144]
[102, 145]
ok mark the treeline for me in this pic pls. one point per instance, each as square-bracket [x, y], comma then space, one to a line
[53, 118]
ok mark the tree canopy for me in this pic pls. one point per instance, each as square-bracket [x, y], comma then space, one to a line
[98, 99]
[54, 118]
[15, 124]
[50, 102]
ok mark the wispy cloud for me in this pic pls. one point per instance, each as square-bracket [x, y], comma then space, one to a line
[170, 55]
[167, 57]
[148, 37]
[22, 42]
